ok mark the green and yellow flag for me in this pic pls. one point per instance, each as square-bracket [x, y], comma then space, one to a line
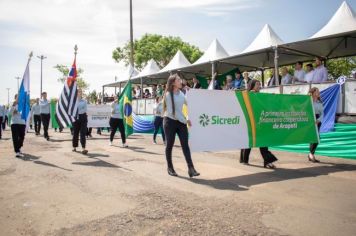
[125, 101]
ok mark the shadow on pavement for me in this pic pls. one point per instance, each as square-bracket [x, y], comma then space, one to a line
[50, 165]
[243, 182]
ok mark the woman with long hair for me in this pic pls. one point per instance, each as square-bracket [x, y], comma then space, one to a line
[80, 124]
[175, 123]
[319, 115]
[268, 157]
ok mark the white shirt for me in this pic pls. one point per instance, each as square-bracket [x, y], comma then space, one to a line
[16, 116]
[287, 79]
[179, 101]
[309, 76]
[2, 111]
[158, 109]
[36, 110]
[319, 110]
[82, 106]
[115, 111]
[300, 75]
[320, 74]
[44, 106]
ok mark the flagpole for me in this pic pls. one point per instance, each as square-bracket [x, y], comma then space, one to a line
[75, 52]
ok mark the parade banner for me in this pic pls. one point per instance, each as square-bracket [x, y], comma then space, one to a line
[98, 116]
[227, 120]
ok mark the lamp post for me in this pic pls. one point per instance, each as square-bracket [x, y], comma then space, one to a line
[42, 58]
[115, 85]
[18, 86]
[8, 97]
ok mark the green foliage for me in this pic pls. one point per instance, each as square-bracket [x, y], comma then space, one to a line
[64, 71]
[341, 66]
[157, 47]
[93, 97]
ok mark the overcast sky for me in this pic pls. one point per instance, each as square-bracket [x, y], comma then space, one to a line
[53, 27]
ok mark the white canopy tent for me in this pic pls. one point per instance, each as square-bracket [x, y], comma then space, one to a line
[149, 69]
[265, 39]
[214, 52]
[178, 61]
[342, 21]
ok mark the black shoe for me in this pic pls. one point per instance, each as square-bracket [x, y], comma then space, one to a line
[47, 138]
[192, 172]
[172, 172]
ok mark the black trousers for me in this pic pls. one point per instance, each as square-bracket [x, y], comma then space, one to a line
[3, 125]
[45, 122]
[80, 126]
[89, 130]
[1, 120]
[114, 124]
[37, 121]
[313, 146]
[171, 128]
[267, 156]
[158, 123]
[18, 136]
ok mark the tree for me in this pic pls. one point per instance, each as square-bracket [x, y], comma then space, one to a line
[341, 66]
[93, 97]
[64, 70]
[157, 47]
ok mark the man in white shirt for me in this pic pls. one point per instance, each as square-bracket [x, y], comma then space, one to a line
[320, 72]
[45, 114]
[299, 73]
[309, 73]
[286, 77]
[36, 114]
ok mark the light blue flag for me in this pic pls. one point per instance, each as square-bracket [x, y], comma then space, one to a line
[24, 96]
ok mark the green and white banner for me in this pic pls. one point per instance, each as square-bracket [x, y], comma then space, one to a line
[227, 120]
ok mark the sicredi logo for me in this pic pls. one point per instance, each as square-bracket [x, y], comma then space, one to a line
[204, 120]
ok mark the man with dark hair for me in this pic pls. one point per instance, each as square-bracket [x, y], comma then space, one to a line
[320, 72]
[309, 74]
[299, 73]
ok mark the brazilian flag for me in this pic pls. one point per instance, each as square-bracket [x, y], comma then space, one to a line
[125, 101]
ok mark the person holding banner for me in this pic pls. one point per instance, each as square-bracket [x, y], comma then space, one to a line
[45, 114]
[319, 115]
[268, 157]
[18, 128]
[175, 123]
[158, 121]
[80, 124]
[116, 121]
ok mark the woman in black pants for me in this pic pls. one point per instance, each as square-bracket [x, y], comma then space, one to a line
[268, 157]
[116, 121]
[18, 127]
[158, 121]
[174, 123]
[80, 124]
[319, 115]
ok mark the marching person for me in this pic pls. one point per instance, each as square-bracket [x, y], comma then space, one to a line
[319, 115]
[174, 123]
[116, 121]
[158, 121]
[80, 124]
[267, 156]
[18, 127]
[45, 114]
[36, 114]
[2, 118]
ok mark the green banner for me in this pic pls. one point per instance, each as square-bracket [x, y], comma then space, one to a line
[53, 115]
[278, 119]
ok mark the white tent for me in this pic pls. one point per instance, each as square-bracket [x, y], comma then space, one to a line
[214, 52]
[342, 21]
[178, 61]
[265, 39]
[130, 72]
[150, 68]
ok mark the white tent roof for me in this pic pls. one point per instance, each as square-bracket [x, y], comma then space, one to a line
[150, 68]
[130, 72]
[215, 51]
[178, 61]
[342, 21]
[266, 38]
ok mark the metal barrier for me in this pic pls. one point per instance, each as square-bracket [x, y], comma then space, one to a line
[143, 106]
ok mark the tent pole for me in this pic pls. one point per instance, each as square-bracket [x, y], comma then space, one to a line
[263, 77]
[120, 88]
[276, 73]
[213, 69]
[102, 96]
[141, 88]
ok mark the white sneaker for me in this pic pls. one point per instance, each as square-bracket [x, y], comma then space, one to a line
[110, 143]
[124, 145]
[18, 154]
